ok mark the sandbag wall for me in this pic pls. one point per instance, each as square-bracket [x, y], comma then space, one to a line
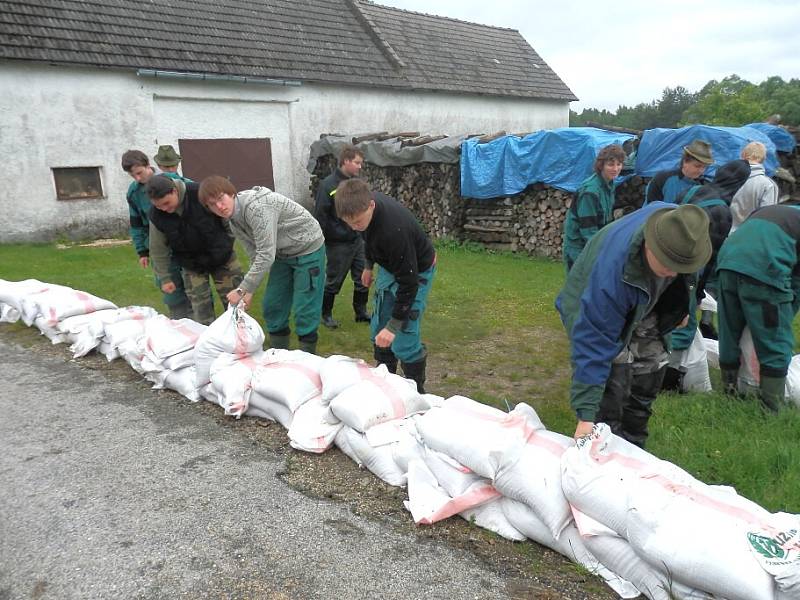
[531, 221]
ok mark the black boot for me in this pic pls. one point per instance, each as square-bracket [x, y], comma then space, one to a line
[636, 412]
[730, 381]
[385, 356]
[673, 380]
[615, 394]
[360, 306]
[707, 325]
[416, 371]
[773, 393]
[327, 308]
[308, 342]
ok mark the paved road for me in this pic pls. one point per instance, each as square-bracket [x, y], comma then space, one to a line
[107, 491]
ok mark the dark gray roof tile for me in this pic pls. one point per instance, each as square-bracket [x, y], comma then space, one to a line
[348, 42]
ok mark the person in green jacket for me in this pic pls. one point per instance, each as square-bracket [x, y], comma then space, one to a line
[136, 164]
[594, 202]
[759, 287]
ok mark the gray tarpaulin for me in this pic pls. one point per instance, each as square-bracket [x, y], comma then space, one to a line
[389, 153]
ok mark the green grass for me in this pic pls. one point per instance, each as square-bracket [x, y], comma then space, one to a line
[493, 335]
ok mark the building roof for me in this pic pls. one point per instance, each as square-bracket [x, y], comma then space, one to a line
[348, 42]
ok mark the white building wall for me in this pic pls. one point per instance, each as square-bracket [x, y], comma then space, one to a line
[82, 117]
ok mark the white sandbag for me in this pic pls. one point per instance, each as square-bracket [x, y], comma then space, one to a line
[388, 462]
[696, 378]
[337, 373]
[749, 368]
[479, 437]
[291, 377]
[377, 400]
[59, 302]
[12, 293]
[793, 381]
[166, 337]
[8, 314]
[107, 350]
[708, 303]
[618, 556]
[598, 472]
[712, 352]
[49, 331]
[569, 544]
[234, 332]
[181, 381]
[428, 502]
[132, 352]
[777, 550]
[490, 516]
[535, 479]
[120, 332]
[87, 331]
[259, 406]
[310, 430]
[231, 377]
[698, 534]
[451, 475]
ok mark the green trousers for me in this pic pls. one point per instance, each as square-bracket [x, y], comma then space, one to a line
[768, 312]
[295, 285]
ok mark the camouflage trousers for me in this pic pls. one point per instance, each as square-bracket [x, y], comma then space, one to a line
[226, 278]
[633, 383]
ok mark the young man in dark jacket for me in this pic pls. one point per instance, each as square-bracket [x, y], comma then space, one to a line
[136, 164]
[197, 239]
[759, 287]
[627, 291]
[406, 259]
[343, 246]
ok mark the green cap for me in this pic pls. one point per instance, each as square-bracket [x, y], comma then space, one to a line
[679, 238]
[167, 156]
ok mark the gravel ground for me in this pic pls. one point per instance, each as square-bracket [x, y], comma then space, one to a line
[110, 489]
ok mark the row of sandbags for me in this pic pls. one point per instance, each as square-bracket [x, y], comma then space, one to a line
[642, 524]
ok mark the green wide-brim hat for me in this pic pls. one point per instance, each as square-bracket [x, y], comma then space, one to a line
[679, 238]
[167, 156]
[700, 150]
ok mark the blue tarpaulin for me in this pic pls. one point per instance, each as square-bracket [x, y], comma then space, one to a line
[783, 140]
[561, 158]
[661, 149]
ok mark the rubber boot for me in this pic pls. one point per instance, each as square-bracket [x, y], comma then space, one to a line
[327, 308]
[615, 394]
[707, 325]
[416, 371]
[773, 393]
[360, 306]
[308, 342]
[637, 411]
[673, 381]
[385, 356]
[279, 341]
[181, 311]
[730, 381]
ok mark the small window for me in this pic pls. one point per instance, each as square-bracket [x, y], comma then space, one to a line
[78, 183]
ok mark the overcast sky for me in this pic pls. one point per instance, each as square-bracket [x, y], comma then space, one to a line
[626, 52]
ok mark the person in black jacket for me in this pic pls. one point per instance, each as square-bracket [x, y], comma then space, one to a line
[199, 241]
[406, 259]
[343, 246]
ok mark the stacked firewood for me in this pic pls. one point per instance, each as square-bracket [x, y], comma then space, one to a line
[531, 221]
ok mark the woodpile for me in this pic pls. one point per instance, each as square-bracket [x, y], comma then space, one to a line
[531, 221]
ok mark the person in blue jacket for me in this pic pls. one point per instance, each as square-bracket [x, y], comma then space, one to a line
[627, 291]
[667, 185]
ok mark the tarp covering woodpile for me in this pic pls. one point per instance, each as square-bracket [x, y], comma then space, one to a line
[561, 158]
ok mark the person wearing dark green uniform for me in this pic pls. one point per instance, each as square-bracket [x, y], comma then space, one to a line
[759, 287]
[714, 198]
[136, 164]
[592, 207]
[667, 185]
[285, 245]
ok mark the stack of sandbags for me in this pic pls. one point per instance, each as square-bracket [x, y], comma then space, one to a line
[12, 293]
[86, 332]
[57, 302]
[682, 534]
